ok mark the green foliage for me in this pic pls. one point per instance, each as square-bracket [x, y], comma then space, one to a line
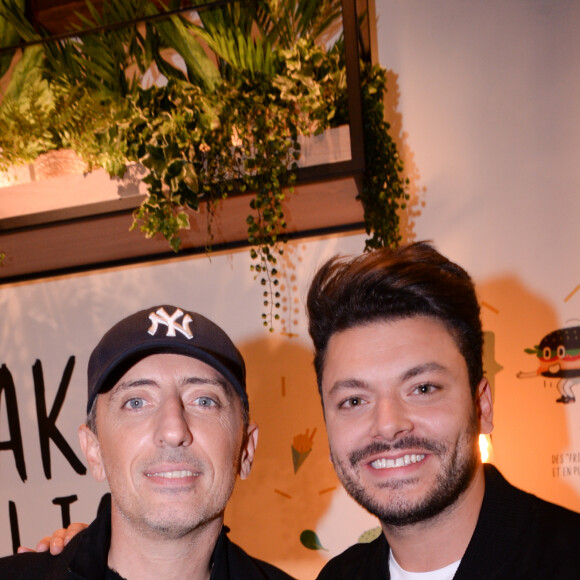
[255, 77]
[384, 189]
[285, 21]
[174, 33]
[9, 37]
[227, 31]
[200, 147]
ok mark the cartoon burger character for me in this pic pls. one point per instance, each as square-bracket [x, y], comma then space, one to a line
[559, 355]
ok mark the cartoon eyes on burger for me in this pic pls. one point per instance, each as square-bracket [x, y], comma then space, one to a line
[560, 352]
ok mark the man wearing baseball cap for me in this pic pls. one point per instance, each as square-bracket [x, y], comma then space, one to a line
[168, 429]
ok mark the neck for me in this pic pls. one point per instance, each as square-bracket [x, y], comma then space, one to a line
[442, 540]
[135, 554]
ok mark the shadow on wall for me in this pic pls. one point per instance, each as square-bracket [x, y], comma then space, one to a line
[292, 478]
[534, 435]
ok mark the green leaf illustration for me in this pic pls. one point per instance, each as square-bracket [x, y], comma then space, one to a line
[310, 540]
[369, 535]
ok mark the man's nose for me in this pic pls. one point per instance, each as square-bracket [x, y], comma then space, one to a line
[391, 419]
[172, 428]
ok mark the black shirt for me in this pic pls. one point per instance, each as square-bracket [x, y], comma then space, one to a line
[517, 536]
[85, 558]
[111, 574]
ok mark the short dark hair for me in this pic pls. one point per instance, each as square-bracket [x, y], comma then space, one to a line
[390, 284]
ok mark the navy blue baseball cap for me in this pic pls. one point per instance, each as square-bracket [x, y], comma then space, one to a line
[163, 329]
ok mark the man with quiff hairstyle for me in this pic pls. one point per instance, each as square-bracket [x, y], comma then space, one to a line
[398, 357]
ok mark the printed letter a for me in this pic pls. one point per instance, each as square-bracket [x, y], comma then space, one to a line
[15, 441]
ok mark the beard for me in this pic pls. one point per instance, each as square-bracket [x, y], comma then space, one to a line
[458, 468]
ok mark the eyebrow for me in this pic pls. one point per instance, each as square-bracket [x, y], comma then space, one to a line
[207, 381]
[193, 380]
[421, 369]
[407, 375]
[347, 384]
[221, 383]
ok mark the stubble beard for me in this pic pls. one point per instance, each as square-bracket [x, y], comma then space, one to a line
[151, 520]
[454, 478]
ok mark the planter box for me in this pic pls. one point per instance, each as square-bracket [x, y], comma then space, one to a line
[80, 221]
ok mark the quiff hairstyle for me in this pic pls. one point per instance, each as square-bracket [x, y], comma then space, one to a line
[382, 285]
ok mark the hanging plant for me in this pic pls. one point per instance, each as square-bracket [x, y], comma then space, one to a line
[223, 122]
[243, 137]
[384, 190]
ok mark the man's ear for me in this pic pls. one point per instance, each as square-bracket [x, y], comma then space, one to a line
[92, 450]
[248, 451]
[484, 405]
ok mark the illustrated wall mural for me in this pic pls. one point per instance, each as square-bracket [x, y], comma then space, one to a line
[559, 361]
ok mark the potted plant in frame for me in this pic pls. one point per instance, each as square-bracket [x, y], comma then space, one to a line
[242, 83]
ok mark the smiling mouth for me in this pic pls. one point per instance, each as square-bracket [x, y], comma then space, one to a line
[173, 474]
[399, 462]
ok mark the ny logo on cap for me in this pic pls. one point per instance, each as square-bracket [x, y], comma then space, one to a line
[161, 317]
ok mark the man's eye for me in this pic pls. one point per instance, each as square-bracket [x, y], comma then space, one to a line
[134, 403]
[206, 402]
[352, 402]
[425, 389]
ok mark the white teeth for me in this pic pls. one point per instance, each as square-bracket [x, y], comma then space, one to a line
[171, 474]
[399, 462]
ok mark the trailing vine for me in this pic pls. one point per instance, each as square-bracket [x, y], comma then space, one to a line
[384, 190]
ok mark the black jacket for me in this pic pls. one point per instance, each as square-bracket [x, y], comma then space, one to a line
[85, 558]
[517, 536]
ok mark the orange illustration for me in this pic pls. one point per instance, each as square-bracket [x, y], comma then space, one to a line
[301, 448]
